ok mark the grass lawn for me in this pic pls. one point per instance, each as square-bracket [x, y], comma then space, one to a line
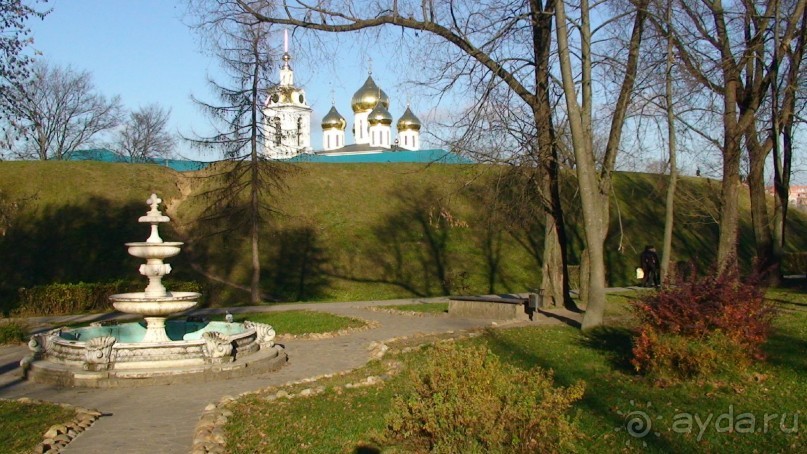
[763, 411]
[23, 424]
[299, 321]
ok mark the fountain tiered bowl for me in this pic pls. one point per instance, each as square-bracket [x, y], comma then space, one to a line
[156, 350]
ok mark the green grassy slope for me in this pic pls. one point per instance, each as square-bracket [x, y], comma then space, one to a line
[344, 232]
[71, 220]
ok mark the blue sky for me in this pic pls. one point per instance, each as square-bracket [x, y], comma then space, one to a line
[144, 51]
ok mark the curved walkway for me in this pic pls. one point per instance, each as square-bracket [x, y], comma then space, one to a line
[161, 419]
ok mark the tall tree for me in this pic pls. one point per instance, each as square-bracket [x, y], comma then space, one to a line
[144, 135]
[57, 111]
[595, 184]
[784, 120]
[242, 200]
[672, 153]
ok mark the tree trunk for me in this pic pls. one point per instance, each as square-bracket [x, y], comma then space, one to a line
[759, 211]
[590, 197]
[555, 272]
[732, 132]
[729, 204]
[782, 161]
[585, 277]
[560, 232]
[255, 285]
[729, 215]
[672, 143]
[781, 186]
[552, 269]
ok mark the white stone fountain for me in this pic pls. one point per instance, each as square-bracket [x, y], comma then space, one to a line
[156, 303]
[162, 352]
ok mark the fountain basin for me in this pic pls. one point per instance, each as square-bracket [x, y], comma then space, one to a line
[112, 356]
[129, 352]
[154, 306]
[146, 250]
[176, 330]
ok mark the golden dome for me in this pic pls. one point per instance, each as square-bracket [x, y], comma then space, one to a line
[379, 115]
[408, 121]
[333, 120]
[368, 96]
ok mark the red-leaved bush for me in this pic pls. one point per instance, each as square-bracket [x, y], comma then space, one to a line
[699, 310]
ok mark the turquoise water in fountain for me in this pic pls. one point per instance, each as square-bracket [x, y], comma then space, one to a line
[134, 332]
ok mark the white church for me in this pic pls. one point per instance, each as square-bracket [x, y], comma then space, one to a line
[287, 128]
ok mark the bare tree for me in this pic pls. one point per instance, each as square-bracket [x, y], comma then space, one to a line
[672, 147]
[58, 111]
[144, 136]
[784, 120]
[15, 66]
[723, 49]
[594, 182]
[658, 100]
[241, 200]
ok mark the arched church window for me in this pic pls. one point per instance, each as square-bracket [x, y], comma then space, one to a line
[278, 131]
[300, 129]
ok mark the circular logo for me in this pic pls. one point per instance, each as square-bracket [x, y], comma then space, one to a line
[637, 423]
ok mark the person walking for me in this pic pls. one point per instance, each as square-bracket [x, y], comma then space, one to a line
[650, 267]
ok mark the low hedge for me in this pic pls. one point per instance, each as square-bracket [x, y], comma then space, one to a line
[63, 299]
[12, 331]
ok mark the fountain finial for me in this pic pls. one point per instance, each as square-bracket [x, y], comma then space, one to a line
[154, 202]
[154, 217]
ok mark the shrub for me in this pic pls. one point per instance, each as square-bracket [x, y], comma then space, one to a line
[12, 332]
[671, 357]
[463, 399]
[688, 329]
[61, 299]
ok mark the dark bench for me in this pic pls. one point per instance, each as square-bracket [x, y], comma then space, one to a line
[493, 307]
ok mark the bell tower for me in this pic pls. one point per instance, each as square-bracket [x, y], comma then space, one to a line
[287, 115]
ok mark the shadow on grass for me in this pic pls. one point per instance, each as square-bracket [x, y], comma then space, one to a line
[366, 449]
[786, 303]
[602, 386]
[569, 321]
[615, 342]
[786, 351]
[293, 263]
